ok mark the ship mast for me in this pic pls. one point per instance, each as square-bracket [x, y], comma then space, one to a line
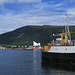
[66, 24]
[66, 37]
[67, 32]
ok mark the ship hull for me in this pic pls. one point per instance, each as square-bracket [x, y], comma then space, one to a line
[58, 57]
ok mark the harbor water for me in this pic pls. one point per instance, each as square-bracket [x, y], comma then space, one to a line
[29, 62]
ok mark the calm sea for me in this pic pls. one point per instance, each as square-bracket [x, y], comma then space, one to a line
[28, 62]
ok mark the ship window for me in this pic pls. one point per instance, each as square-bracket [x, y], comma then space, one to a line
[63, 37]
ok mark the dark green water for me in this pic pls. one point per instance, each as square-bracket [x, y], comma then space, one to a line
[28, 62]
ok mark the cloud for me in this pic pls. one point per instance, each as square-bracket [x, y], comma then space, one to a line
[18, 13]
[71, 11]
[6, 1]
[28, 1]
[20, 1]
[57, 5]
[10, 22]
[68, 1]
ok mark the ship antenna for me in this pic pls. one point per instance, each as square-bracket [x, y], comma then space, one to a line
[66, 24]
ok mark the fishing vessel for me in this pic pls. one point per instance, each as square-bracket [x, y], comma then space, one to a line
[60, 50]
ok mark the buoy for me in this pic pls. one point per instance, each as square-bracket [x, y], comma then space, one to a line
[65, 43]
[51, 44]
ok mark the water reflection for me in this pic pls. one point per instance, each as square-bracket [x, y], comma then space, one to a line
[24, 62]
[36, 62]
[58, 69]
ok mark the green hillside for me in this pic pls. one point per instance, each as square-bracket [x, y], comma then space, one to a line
[26, 35]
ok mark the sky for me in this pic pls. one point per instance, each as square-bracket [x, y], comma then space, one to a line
[18, 13]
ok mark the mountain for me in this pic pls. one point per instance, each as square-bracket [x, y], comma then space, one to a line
[27, 34]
